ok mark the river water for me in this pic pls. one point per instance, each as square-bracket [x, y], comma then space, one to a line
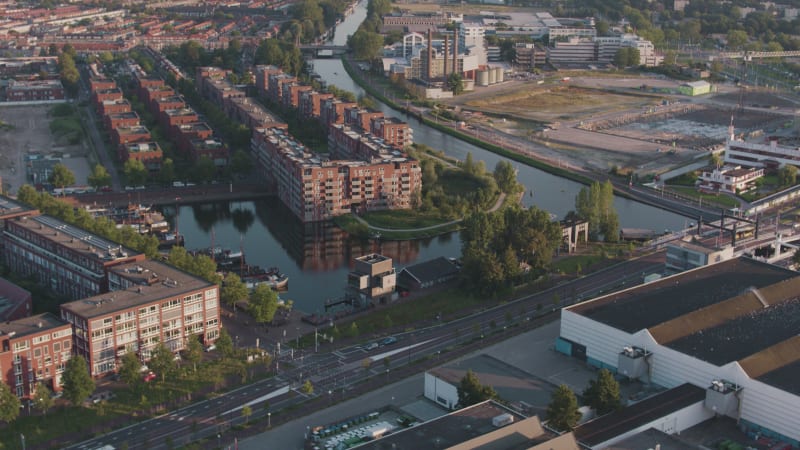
[317, 257]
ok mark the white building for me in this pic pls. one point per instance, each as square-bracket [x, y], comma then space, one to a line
[768, 154]
[730, 179]
[730, 328]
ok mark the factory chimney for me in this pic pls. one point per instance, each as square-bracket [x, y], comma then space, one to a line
[455, 51]
[446, 56]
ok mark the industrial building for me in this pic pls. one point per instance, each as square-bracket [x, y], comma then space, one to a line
[728, 328]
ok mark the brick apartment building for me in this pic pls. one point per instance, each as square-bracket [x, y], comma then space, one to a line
[213, 149]
[393, 131]
[122, 119]
[101, 83]
[186, 133]
[251, 114]
[360, 118]
[290, 96]
[149, 94]
[179, 116]
[128, 135]
[32, 350]
[102, 95]
[66, 259]
[262, 78]
[36, 90]
[149, 303]
[310, 103]
[332, 111]
[315, 189]
[159, 105]
[276, 83]
[113, 106]
[148, 152]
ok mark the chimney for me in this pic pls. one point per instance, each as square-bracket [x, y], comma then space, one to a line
[455, 51]
[446, 53]
[430, 55]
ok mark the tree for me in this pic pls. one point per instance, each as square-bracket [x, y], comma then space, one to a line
[162, 361]
[42, 398]
[562, 412]
[307, 388]
[9, 404]
[787, 175]
[233, 289]
[247, 411]
[595, 204]
[99, 177]
[506, 177]
[193, 352]
[62, 176]
[602, 394]
[263, 303]
[241, 163]
[130, 369]
[366, 45]
[135, 172]
[716, 160]
[167, 173]
[455, 82]
[203, 170]
[224, 343]
[471, 391]
[736, 39]
[77, 382]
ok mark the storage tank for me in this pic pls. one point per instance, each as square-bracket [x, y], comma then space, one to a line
[483, 78]
[492, 76]
[499, 75]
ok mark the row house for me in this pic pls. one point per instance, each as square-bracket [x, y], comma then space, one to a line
[148, 95]
[107, 107]
[145, 82]
[291, 94]
[332, 111]
[148, 152]
[123, 119]
[34, 350]
[159, 105]
[212, 148]
[251, 114]
[180, 116]
[360, 118]
[15, 302]
[276, 83]
[129, 135]
[102, 95]
[149, 303]
[186, 133]
[64, 258]
[310, 103]
[262, 78]
[393, 131]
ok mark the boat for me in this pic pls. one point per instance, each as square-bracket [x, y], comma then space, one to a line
[253, 276]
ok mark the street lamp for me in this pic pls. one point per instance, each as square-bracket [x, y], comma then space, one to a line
[269, 420]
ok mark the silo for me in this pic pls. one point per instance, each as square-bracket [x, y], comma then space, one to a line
[483, 78]
[499, 75]
[492, 76]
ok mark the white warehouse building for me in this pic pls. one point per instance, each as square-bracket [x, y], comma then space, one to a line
[730, 328]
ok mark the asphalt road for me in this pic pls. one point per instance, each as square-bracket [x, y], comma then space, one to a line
[337, 374]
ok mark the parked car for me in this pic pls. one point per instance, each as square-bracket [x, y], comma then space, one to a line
[211, 348]
[149, 376]
[389, 340]
[371, 346]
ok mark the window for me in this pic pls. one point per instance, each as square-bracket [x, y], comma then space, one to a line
[37, 353]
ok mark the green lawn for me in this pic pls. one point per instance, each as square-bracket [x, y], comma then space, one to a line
[721, 199]
[404, 219]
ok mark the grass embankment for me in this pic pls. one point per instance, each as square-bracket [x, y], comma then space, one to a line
[66, 125]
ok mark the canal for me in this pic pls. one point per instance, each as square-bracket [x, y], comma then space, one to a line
[317, 257]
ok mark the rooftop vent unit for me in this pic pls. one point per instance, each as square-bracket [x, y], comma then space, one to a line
[634, 362]
[723, 398]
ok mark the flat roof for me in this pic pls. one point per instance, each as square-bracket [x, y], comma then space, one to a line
[152, 281]
[653, 303]
[9, 206]
[786, 378]
[744, 335]
[603, 428]
[446, 431]
[75, 238]
[31, 325]
[652, 438]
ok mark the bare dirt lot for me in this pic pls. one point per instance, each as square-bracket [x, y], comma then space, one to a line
[600, 123]
[28, 130]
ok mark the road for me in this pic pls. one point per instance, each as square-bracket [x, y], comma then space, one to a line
[88, 113]
[340, 374]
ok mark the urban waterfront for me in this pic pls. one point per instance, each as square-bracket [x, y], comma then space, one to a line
[317, 257]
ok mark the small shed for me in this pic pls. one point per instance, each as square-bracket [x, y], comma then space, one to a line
[427, 274]
[695, 88]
